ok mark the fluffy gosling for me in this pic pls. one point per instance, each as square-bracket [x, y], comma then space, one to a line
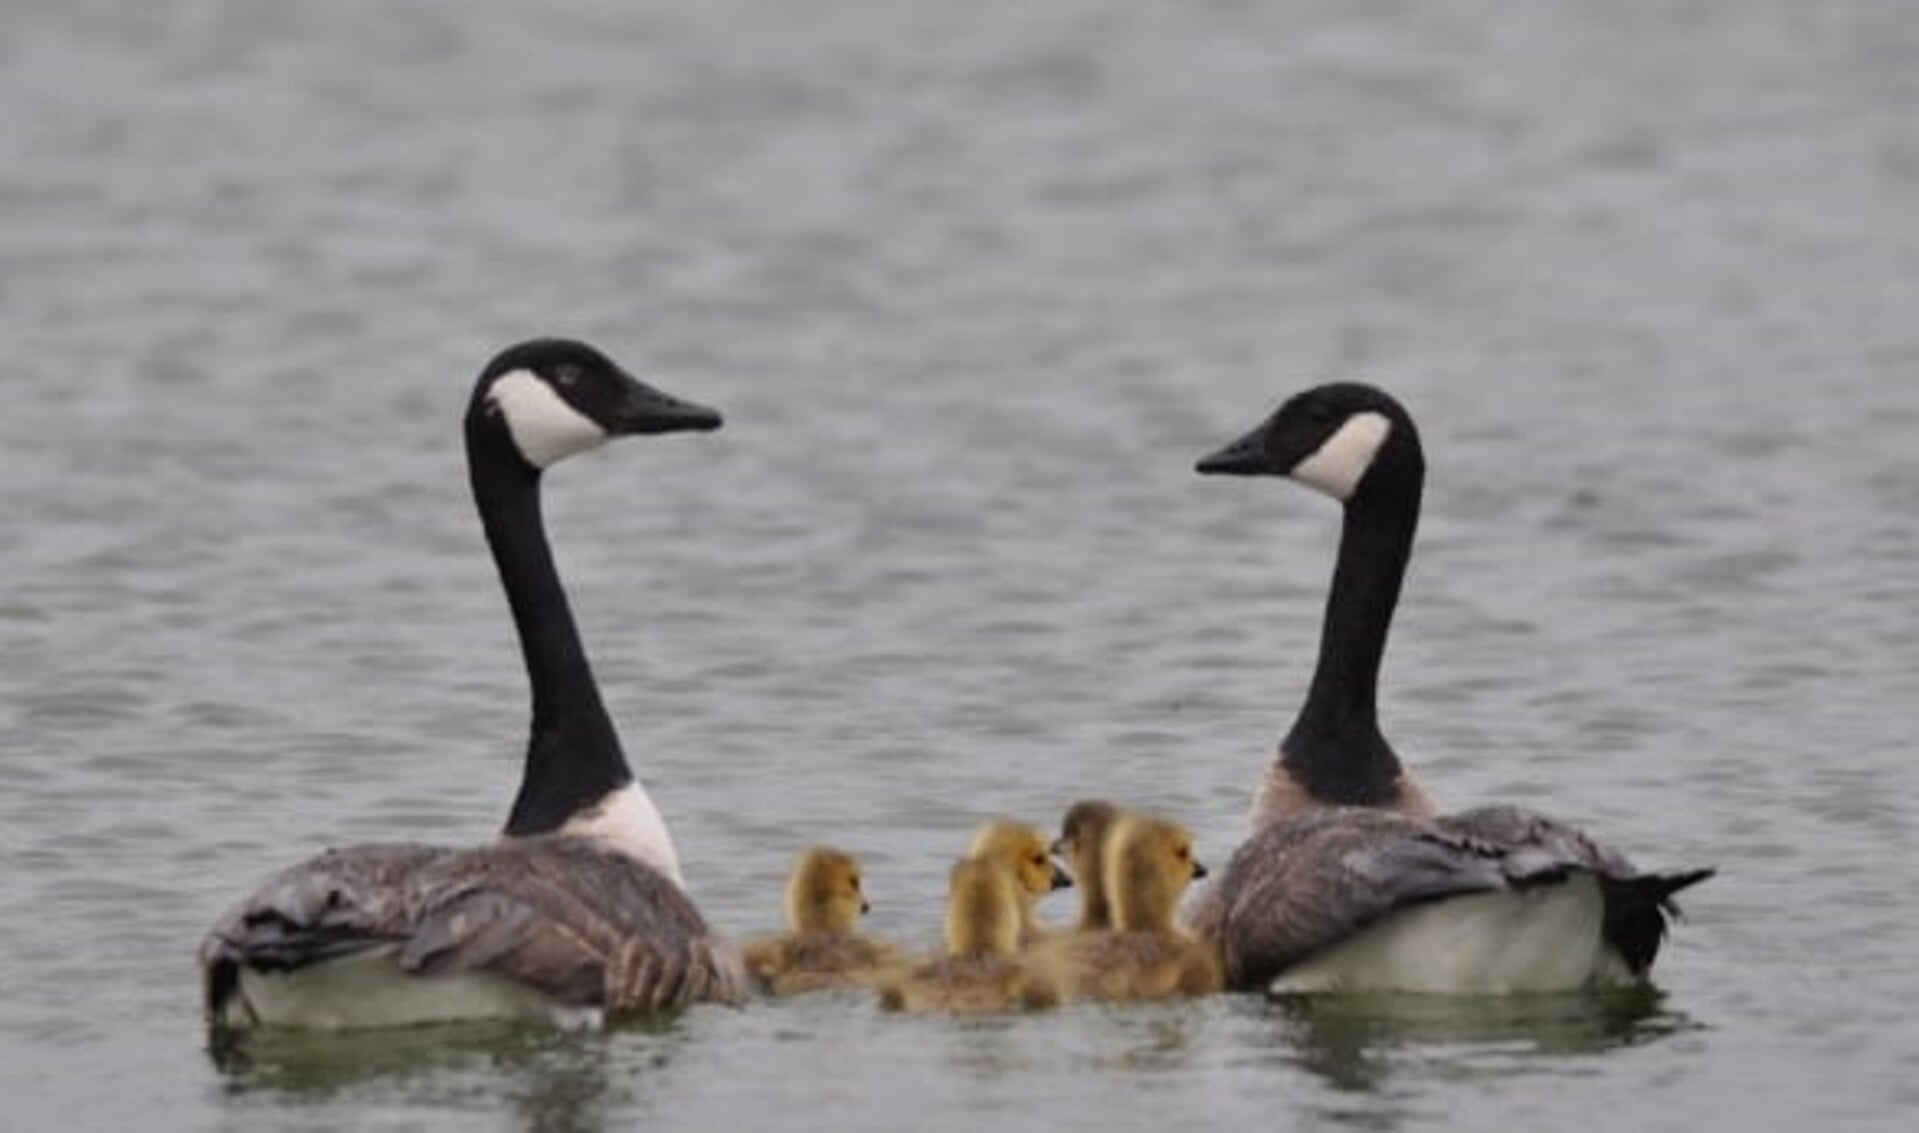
[981, 971]
[1148, 864]
[1082, 840]
[822, 947]
[1022, 850]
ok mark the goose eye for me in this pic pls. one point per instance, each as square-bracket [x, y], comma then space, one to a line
[567, 375]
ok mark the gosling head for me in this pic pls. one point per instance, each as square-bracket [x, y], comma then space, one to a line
[549, 398]
[982, 909]
[1022, 850]
[823, 893]
[1340, 438]
[1149, 863]
[1082, 835]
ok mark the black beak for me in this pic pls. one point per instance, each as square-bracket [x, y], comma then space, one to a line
[865, 906]
[1244, 457]
[648, 410]
[1061, 879]
[1059, 846]
[1199, 870]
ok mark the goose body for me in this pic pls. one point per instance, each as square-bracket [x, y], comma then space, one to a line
[578, 911]
[1350, 879]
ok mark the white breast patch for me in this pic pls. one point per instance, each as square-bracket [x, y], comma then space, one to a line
[627, 821]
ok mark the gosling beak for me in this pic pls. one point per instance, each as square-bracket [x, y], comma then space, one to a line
[1199, 869]
[1061, 879]
[865, 906]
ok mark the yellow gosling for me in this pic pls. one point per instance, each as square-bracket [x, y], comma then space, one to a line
[981, 971]
[822, 947]
[1148, 864]
[1082, 838]
[1022, 850]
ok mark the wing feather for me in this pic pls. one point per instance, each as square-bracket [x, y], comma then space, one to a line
[581, 924]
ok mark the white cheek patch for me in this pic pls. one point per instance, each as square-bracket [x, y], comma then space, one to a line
[1337, 466]
[543, 426]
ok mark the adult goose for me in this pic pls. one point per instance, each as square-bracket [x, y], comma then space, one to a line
[577, 912]
[1349, 880]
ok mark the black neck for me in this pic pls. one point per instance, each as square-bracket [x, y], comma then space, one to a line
[573, 757]
[1335, 749]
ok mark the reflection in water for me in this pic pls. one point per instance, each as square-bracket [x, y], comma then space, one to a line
[988, 1047]
[1358, 1043]
[553, 1080]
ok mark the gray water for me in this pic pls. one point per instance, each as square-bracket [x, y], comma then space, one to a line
[974, 284]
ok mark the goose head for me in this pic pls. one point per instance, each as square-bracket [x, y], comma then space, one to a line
[551, 398]
[982, 909]
[823, 894]
[1023, 851]
[1149, 863]
[1340, 438]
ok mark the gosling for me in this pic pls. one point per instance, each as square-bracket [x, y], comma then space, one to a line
[1148, 864]
[1082, 839]
[823, 947]
[1023, 851]
[981, 971]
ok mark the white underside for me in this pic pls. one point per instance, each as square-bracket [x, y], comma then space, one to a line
[626, 821]
[368, 989]
[1545, 939]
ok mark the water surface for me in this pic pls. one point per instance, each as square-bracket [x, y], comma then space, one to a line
[974, 285]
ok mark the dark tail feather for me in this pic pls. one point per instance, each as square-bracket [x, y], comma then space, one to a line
[1637, 909]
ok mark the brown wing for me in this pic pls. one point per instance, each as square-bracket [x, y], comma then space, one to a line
[1309, 882]
[339, 902]
[583, 925]
[1514, 827]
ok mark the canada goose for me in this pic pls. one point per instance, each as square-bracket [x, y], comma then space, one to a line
[1023, 851]
[980, 970]
[1545, 888]
[577, 912]
[1082, 837]
[823, 947]
[1147, 864]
